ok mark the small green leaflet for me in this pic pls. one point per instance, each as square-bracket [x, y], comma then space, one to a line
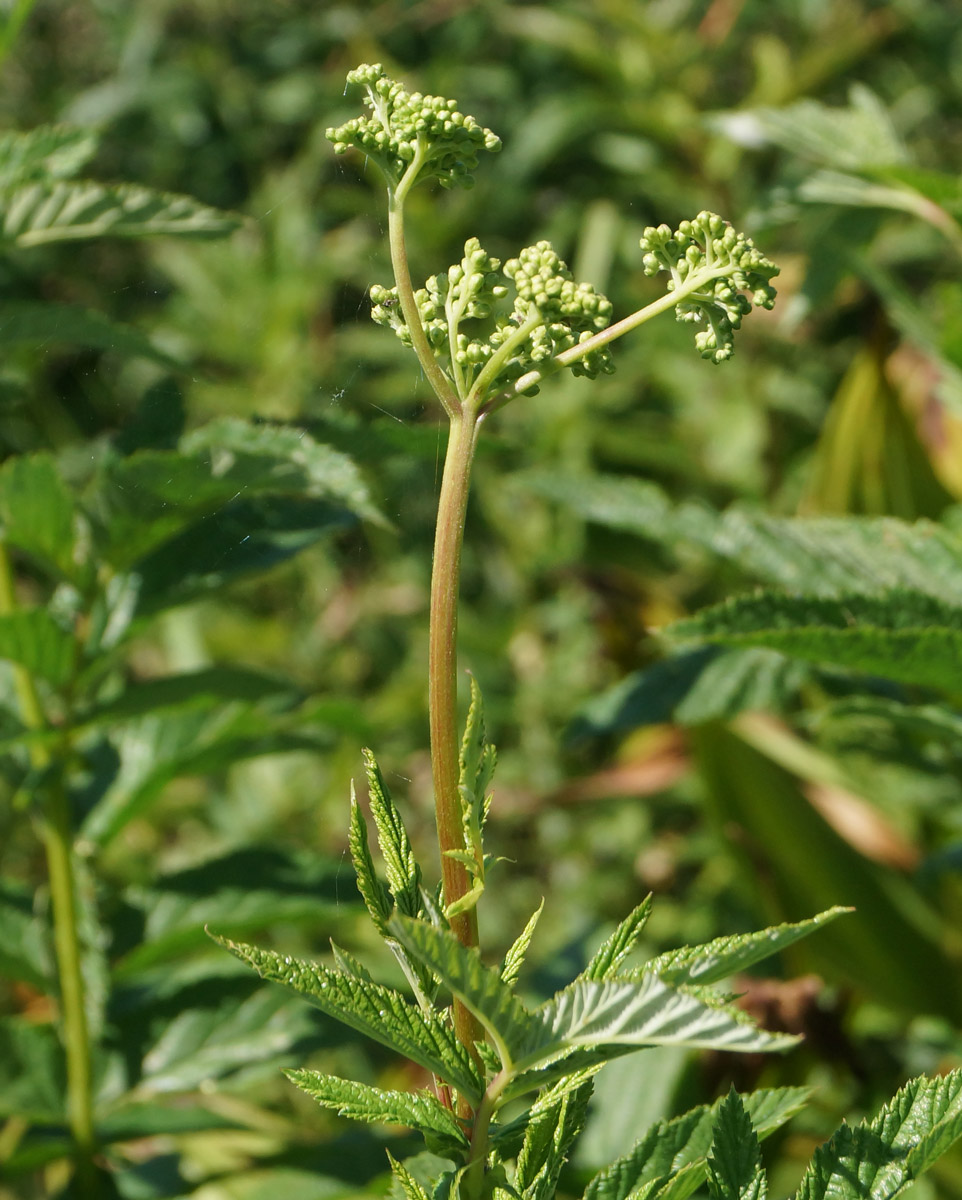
[878, 1159]
[477, 761]
[615, 949]
[735, 1169]
[403, 872]
[726, 956]
[418, 1110]
[514, 959]
[548, 1141]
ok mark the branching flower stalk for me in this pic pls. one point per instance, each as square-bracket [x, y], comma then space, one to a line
[478, 354]
[513, 1081]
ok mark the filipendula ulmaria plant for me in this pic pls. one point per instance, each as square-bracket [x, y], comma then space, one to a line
[484, 333]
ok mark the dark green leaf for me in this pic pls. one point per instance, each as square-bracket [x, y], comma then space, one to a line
[23, 322]
[374, 1010]
[37, 514]
[418, 1110]
[735, 1169]
[36, 641]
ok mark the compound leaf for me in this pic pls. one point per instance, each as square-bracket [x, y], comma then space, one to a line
[372, 1009]
[669, 1148]
[417, 1110]
[878, 1159]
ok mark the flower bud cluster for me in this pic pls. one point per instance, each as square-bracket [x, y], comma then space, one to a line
[403, 125]
[710, 249]
[551, 313]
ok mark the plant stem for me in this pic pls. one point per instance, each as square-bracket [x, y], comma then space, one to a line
[472, 1186]
[57, 837]
[443, 687]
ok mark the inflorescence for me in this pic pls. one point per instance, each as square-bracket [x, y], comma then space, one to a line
[709, 249]
[551, 313]
[408, 127]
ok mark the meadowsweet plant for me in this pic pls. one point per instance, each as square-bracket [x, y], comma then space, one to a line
[512, 1082]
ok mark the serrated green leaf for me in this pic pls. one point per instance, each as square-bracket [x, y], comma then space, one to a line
[466, 902]
[417, 1110]
[47, 152]
[643, 1012]
[682, 1145]
[476, 765]
[717, 959]
[403, 872]
[37, 514]
[900, 635]
[40, 323]
[735, 1169]
[479, 987]
[514, 959]
[372, 1009]
[878, 1159]
[46, 210]
[373, 892]
[410, 1188]
[615, 949]
[548, 1139]
[33, 639]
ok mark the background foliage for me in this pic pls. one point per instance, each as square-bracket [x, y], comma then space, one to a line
[742, 785]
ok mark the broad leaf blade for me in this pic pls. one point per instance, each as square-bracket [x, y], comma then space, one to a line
[878, 1159]
[684, 1142]
[726, 956]
[371, 1009]
[418, 1110]
[646, 1012]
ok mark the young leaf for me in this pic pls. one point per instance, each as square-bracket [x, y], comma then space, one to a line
[36, 214]
[682, 1144]
[477, 761]
[373, 891]
[480, 988]
[418, 1110]
[514, 959]
[548, 1140]
[878, 1159]
[410, 1187]
[374, 1010]
[403, 872]
[614, 950]
[348, 964]
[726, 956]
[735, 1169]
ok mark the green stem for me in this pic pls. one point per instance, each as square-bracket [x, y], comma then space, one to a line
[692, 284]
[473, 1183]
[57, 838]
[405, 290]
[443, 688]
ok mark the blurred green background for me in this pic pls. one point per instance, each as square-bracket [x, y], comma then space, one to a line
[831, 130]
